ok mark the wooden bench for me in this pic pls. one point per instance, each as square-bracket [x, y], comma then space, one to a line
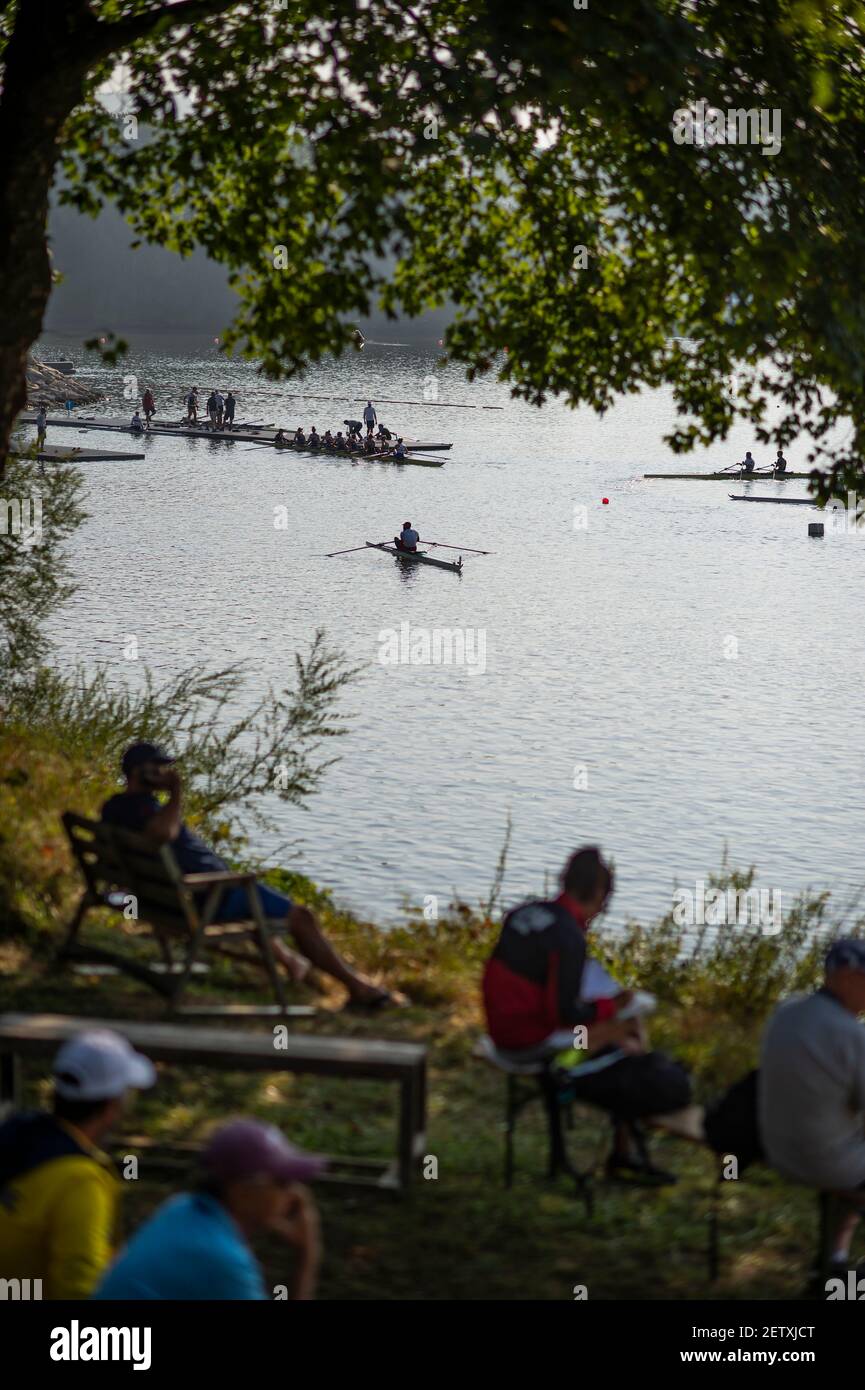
[133, 877]
[404, 1064]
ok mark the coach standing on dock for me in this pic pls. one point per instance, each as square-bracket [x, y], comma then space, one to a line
[369, 417]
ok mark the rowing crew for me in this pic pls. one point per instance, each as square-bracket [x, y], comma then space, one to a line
[748, 464]
[338, 443]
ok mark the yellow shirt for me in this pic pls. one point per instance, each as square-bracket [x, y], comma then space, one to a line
[58, 1220]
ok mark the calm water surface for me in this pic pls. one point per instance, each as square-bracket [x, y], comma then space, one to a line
[694, 665]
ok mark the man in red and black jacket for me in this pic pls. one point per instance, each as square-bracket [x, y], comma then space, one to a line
[532, 981]
[533, 989]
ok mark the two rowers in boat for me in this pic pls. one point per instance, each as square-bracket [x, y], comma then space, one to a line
[748, 463]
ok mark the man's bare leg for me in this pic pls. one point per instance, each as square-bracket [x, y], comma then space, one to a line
[296, 967]
[313, 944]
[843, 1237]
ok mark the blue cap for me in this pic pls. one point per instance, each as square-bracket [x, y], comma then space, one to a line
[138, 753]
[847, 952]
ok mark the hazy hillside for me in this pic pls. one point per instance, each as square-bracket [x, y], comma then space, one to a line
[107, 286]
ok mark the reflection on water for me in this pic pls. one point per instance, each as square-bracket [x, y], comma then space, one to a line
[656, 681]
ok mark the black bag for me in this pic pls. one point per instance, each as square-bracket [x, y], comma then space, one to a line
[731, 1123]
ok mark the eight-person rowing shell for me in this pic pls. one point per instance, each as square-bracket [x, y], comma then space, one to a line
[373, 446]
[407, 540]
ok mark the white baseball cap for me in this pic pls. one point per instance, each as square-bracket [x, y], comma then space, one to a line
[100, 1065]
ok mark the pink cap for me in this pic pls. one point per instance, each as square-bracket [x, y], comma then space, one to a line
[248, 1148]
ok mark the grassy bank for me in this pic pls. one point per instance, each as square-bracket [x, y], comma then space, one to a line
[459, 1235]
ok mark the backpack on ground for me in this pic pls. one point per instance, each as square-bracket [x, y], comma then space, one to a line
[731, 1124]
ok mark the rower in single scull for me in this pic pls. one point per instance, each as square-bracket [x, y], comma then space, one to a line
[407, 540]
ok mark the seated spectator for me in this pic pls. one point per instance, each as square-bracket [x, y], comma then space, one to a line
[59, 1194]
[148, 769]
[811, 1088]
[534, 988]
[196, 1244]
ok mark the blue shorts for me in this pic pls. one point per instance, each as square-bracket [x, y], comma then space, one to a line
[235, 905]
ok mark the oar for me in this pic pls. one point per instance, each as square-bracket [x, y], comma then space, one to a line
[332, 553]
[458, 547]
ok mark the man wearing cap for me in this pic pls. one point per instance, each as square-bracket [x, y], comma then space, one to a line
[811, 1087]
[59, 1194]
[149, 769]
[196, 1245]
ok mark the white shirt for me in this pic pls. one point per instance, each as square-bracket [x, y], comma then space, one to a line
[369, 414]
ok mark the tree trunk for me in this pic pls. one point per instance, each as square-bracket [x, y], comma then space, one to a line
[44, 73]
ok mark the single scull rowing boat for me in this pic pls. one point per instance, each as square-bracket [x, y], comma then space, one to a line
[419, 557]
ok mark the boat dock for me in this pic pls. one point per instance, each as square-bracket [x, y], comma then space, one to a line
[58, 454]
[245, 433]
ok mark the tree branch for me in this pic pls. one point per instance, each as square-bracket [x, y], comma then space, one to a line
[100, 39]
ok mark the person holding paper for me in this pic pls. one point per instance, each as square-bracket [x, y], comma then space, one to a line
[540, 982]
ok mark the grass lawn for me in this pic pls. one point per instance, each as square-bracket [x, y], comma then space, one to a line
[460, 1235]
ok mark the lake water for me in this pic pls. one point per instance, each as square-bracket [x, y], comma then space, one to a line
[680, 674]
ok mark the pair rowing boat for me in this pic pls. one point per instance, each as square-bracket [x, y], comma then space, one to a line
[418, 557]
[729, 476]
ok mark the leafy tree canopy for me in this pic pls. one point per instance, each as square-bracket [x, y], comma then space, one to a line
[481, 144]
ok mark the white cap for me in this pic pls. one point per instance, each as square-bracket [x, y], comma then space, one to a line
[100, 1065]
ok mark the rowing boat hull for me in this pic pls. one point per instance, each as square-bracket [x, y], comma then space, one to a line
[729, 477]
[778, 501]
[420, 558]
[360, 456]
